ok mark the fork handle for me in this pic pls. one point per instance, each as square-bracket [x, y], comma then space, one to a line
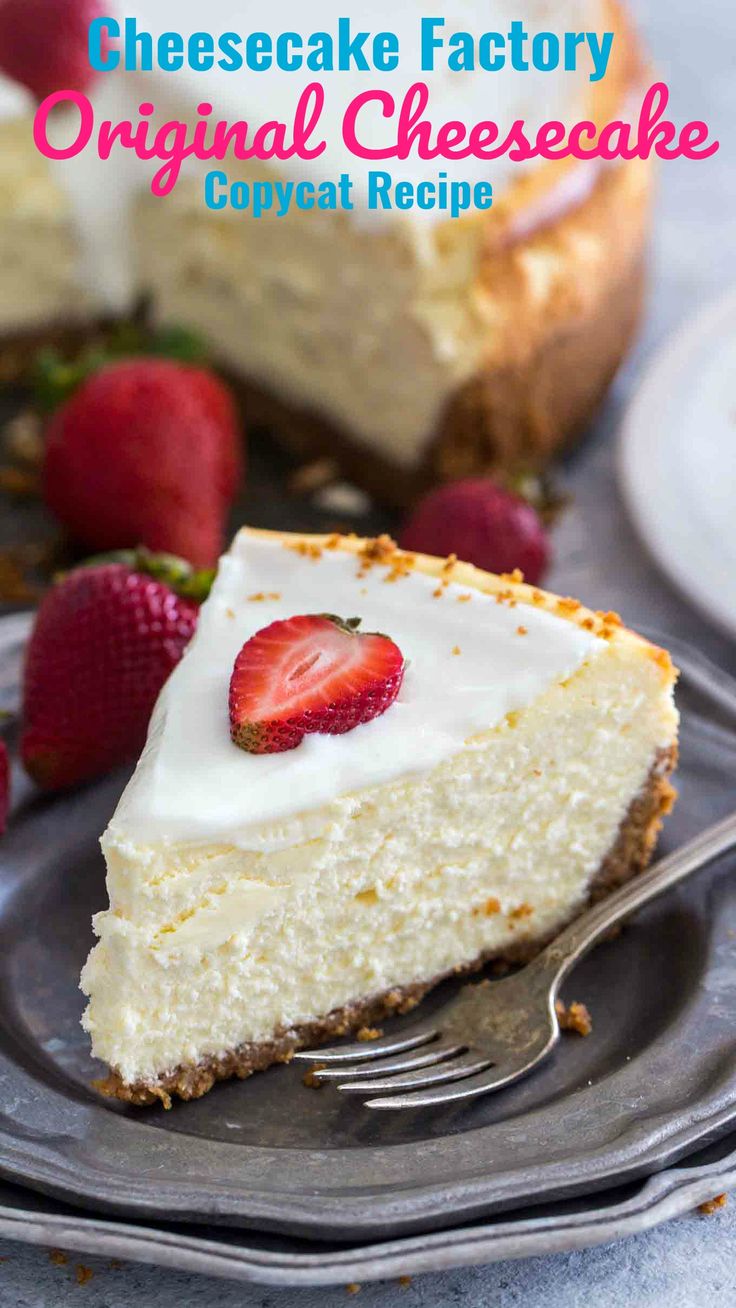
[574, 943]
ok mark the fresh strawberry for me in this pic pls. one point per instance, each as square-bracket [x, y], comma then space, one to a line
[146, 451]
[43, 43]
[481, 524]
[4, 786]
[310, 674]
[105, 640]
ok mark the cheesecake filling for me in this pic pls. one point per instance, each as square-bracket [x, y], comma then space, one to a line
[251, 894]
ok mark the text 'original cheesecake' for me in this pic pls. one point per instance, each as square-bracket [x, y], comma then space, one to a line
[410, 346]
[503, 755]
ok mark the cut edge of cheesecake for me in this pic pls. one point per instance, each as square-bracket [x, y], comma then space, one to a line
[628, 856]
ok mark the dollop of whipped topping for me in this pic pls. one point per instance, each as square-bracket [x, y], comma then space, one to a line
[470, 661]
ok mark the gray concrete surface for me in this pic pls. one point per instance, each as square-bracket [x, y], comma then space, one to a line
[693, 1260]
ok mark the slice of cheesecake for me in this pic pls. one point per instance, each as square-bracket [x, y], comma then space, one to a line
[260, 902]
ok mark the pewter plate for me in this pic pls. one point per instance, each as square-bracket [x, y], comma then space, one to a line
[655, 1080]
[281, 1261]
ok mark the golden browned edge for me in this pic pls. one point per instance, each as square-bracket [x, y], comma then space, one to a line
[629, 857]
[607, 99]
[558, 360]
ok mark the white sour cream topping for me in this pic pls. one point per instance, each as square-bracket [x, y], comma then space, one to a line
[194, 784]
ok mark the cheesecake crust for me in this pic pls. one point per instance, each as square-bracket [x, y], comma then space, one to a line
[630, 855]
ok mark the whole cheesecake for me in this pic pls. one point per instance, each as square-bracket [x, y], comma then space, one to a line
[263, 902]
[410, 347]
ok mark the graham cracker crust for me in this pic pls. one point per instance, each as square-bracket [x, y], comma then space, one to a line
[630, 855]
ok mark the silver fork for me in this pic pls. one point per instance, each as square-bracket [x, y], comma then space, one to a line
[495, 1032]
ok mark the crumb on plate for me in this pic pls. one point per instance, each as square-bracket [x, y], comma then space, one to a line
[574, 1017]
[310, 1079]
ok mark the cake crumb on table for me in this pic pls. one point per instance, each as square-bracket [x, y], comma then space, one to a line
[313, 476]
[575, 1018]
[15, 587]
[353, 1288]
[405, 1282]
[343, 497]
[83, 1274]
[22, 483]
[712, 1206]
[58, 1257]
[23, 438]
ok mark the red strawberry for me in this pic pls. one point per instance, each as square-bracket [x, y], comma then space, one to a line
[43, 43]
[147, 452]
[105, 640]
[4, 786]
[483, 525]
[310, 674]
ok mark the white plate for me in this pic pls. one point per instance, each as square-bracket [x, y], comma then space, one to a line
[678, 462]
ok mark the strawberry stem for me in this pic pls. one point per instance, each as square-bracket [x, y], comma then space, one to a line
[186, 581]
[349, 625]
[55, 378]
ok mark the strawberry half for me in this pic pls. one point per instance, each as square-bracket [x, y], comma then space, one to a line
[310, 674]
